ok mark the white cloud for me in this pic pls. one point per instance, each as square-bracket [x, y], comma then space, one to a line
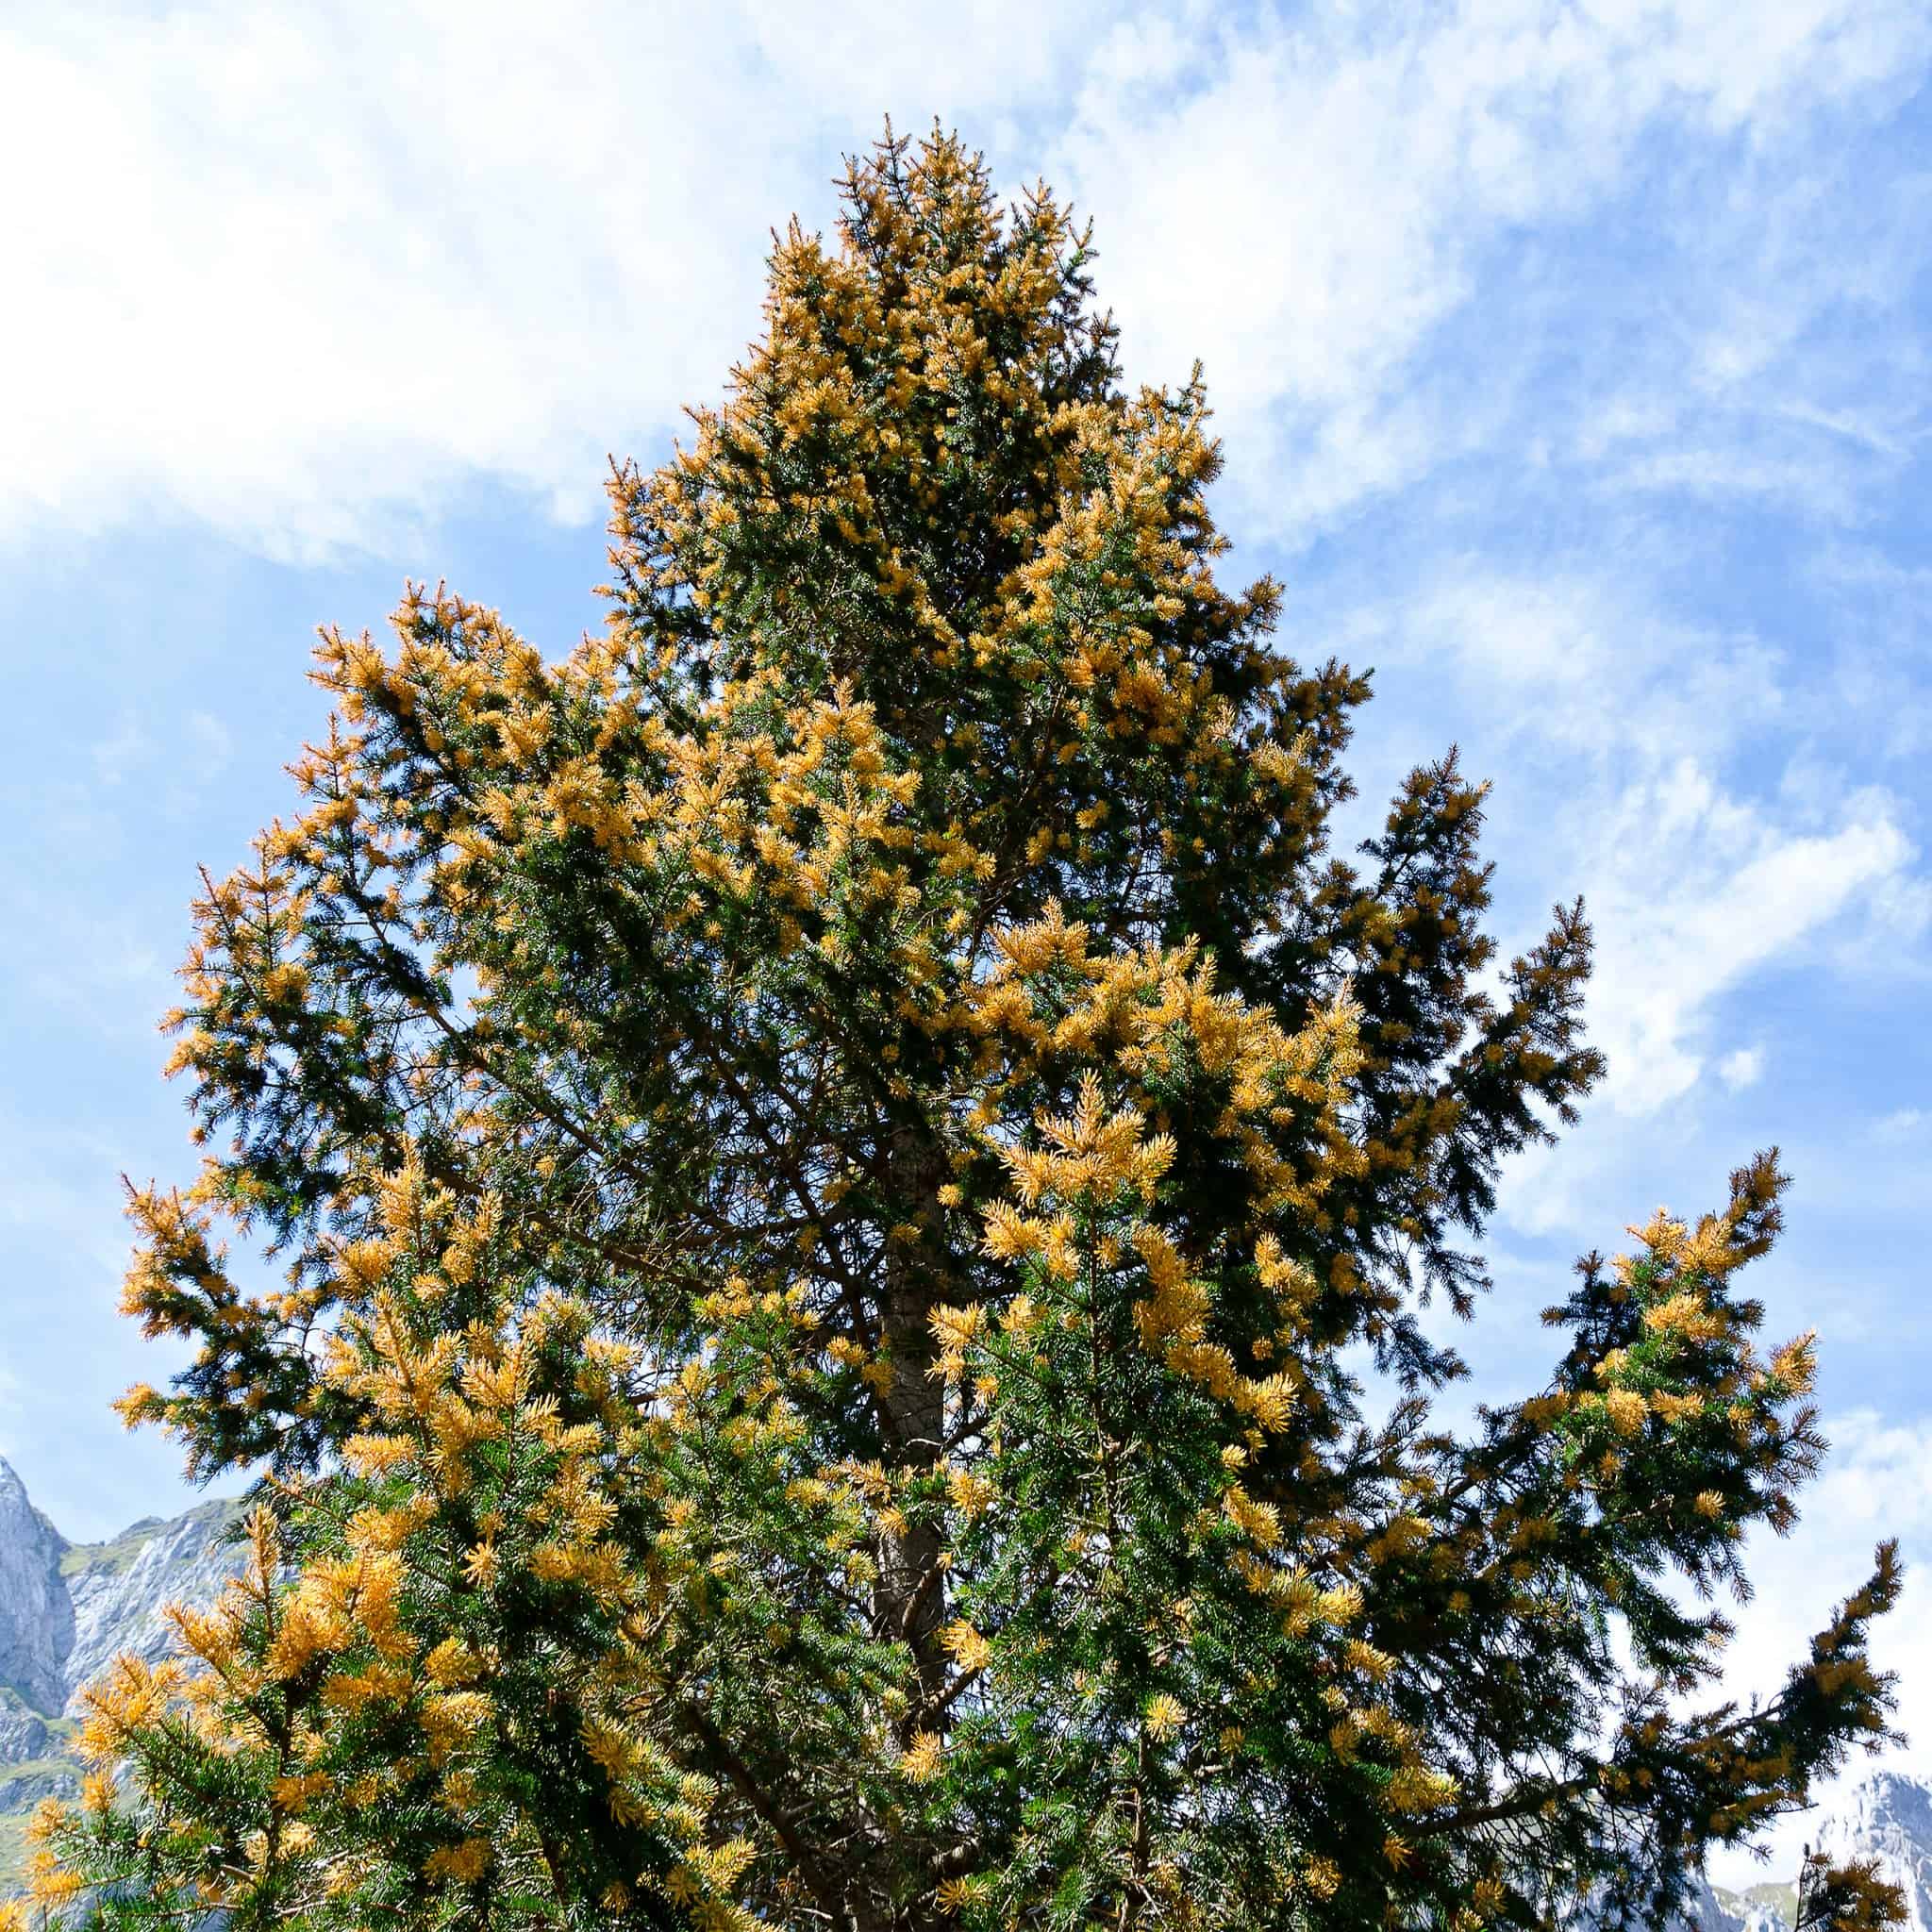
[1616, 729]
[1878, 1483]
[302, 273]
[1692, 890]
[1728, 474]
[1744, 1068]
[306, 275]
[1350, 174]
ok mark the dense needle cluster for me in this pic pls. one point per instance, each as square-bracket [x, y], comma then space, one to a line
[855, 1183]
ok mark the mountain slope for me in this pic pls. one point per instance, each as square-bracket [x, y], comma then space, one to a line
[119, 1589]
[1889, 1816]
[66, 1611]
[36, 1611]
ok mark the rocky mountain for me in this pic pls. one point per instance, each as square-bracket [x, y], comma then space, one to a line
[36, 1611]
[119, 1589]
[1886, 1817]
[1889, 1816]
[1763, 1908]
[68, 1609]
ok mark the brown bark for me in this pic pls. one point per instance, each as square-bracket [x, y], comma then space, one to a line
[911, 1594]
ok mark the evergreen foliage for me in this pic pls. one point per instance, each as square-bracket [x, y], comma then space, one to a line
[842, 1157]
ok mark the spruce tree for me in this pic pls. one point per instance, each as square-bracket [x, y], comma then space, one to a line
[855, 1184]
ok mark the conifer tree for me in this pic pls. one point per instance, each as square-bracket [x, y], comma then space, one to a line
[856, 1184]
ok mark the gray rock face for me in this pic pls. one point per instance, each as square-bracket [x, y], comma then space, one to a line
[36, 1612]
[24, 1789]
[120, 1590]
[68, 1611]
[22, 1732]
[1888, 1818]
[1707, 1911]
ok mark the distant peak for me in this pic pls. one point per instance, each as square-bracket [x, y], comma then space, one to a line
[1894, 1792]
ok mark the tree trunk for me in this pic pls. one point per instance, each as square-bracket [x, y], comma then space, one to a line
[911, 1589]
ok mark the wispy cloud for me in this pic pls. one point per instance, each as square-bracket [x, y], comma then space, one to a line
[1633, 753]
[1392, 198]
[307, 276]
[1744, 1068]
[1693, 890]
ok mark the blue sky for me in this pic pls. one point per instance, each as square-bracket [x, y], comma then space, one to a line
[1571, 362]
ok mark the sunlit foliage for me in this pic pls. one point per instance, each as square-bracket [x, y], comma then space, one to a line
[857, 1187]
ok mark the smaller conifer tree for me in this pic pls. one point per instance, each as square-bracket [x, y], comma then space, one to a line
[841, 1155]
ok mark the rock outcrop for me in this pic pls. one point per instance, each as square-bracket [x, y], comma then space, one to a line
[68, 1609]
[1888, 1818]
[120, 1590]
[36, 1611]
[23, 1732]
